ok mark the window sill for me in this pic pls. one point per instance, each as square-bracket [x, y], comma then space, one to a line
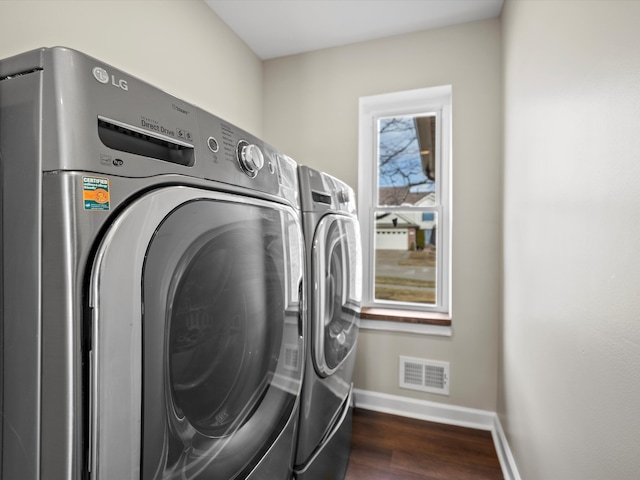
[411, 321]
[406, 316]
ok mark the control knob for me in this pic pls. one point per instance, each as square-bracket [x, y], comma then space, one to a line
[250, 157]
[343, 196]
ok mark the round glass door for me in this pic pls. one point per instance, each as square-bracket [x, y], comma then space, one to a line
[337, 269]
[220, 323]
[224, 336]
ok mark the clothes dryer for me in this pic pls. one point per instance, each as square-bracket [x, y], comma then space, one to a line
[334, 266]
[152, 270]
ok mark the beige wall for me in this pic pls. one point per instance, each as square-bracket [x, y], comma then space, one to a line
[570, 377]
[180, 46]
[311, 112]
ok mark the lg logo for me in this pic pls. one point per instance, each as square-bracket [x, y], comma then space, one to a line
[103, 76]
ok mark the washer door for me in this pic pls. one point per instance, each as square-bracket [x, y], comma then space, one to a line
[337, 267]
[218, 343]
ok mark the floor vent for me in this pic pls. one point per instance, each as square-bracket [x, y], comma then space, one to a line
[424, 375]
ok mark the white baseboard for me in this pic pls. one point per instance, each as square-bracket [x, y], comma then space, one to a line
[507, 462]
[424, 410]
[443, 413]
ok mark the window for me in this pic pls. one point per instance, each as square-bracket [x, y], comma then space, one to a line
[405, 199]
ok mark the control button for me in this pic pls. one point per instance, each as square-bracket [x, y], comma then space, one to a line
[343, 196]
[212, 143]
[272, 168]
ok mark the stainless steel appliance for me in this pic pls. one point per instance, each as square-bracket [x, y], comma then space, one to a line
[334, 266]
[152, 269]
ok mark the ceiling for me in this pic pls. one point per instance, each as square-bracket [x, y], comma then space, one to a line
[275, 28]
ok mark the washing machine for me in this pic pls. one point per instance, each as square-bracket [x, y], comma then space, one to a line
[334, 267]
[152, 272]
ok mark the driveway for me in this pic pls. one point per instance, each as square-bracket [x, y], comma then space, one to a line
[405, 264]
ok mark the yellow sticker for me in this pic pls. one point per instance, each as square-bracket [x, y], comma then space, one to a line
[95, 193]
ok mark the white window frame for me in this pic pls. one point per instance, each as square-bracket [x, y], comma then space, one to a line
[436, 100]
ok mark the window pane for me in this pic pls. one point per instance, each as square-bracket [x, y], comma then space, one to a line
[405, 257]
[406, 160]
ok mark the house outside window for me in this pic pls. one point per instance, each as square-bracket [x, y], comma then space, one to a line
[404, 190]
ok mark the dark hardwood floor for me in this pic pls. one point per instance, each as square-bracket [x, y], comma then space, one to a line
[389, 447]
